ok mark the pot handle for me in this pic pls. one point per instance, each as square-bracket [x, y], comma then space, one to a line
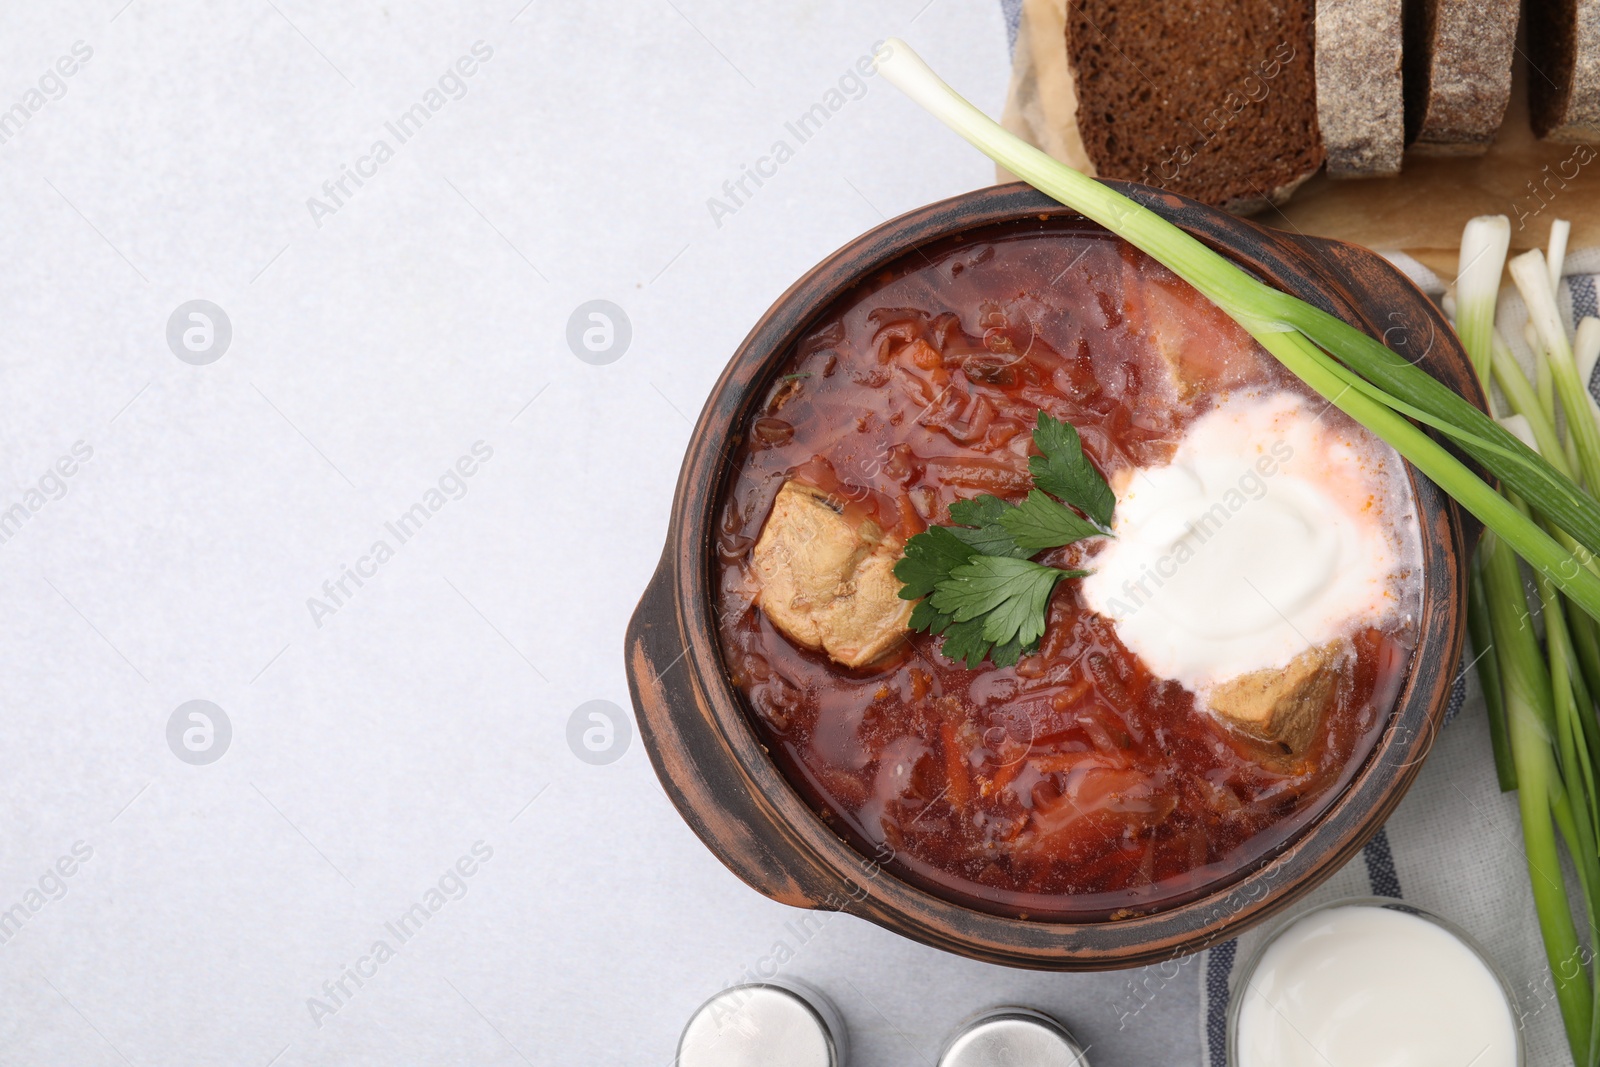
[697, 767]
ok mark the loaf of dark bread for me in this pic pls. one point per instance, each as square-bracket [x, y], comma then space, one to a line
[1458, 73]
[1564, 82]
[1216, 100]
[1360, 99]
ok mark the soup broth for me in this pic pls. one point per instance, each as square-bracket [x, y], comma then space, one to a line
[1076, 784]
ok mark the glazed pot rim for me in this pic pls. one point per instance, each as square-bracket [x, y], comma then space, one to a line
[862, 884]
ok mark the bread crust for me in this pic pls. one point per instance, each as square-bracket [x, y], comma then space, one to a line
[1360, 99]
[1457, 73]
[1564, 82]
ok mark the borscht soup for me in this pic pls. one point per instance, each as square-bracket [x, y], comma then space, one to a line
[1179, 591]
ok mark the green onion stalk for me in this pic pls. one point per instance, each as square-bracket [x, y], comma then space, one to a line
[1555, 747]
[1483, 258]
[1540, 792]
[1539, 417]
[1540, 695]
[1532, 276]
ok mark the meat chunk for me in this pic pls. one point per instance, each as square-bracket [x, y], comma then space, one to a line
[1283, 705]
[828, 584]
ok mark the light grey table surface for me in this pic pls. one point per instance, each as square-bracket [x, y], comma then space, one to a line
[379, 738]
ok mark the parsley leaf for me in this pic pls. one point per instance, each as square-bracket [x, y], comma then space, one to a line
[1011, 595]
[981, 510]
[990, 538]
[1006, 655]
[929, 558]
[1063, 471]
[973, 581]
[964, 641]
[1040, 522]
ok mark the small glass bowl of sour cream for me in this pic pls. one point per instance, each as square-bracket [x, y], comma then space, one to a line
[1371, 980]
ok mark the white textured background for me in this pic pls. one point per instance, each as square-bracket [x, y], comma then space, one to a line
[430, 711]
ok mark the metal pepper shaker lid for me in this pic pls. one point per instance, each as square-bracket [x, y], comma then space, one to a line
[764, 1024]
[1003, 1037]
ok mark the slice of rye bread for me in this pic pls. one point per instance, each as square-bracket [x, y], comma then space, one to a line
[1458, 73]
[1360, 98]
[1215, 100]
[1564, 82]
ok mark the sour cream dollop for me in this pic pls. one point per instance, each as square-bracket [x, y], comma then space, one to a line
[1275, 528]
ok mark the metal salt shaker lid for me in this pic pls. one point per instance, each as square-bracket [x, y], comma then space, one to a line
[1010, 1037]
[764, 1024]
